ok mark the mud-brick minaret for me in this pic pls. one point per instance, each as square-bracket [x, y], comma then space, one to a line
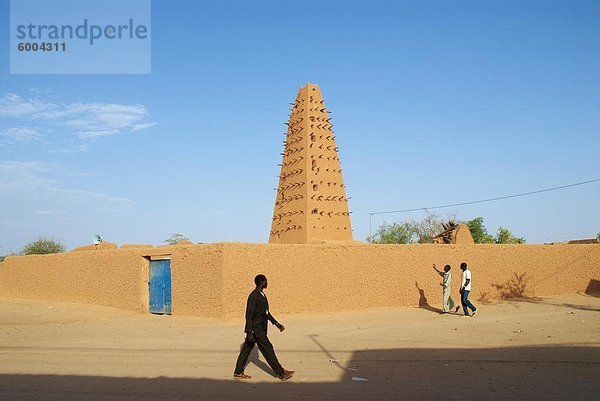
[311, 203]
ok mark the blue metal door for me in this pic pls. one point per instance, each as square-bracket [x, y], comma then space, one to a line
[160, 286]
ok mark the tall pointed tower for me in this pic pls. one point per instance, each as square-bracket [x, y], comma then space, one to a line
[311, 203]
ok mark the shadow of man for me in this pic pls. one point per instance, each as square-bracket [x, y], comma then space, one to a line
[423, 303]
[257, 362]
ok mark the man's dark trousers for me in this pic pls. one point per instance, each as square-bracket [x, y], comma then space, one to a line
[265, 347]
[464, 299]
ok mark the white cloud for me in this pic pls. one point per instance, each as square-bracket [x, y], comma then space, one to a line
[16, 167]
[27, 188]
[100, 116]
[13, 105]
[84, 147]
[50, 212]
[20, 134]
[97, 134]
[87, 121]
[39, 91]
[138, 127]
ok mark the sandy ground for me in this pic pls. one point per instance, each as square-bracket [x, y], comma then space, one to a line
[546, 348]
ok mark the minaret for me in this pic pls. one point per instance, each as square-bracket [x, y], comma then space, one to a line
[311, 204]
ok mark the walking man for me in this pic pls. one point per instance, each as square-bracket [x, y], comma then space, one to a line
[465, 289]
[448, 302]
[257, 314]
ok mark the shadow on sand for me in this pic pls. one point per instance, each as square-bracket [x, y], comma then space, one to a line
[517, 289]
[254, 359]
[517, 373]
[423, 303]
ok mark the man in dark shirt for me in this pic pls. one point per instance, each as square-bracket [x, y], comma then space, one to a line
[257, 314]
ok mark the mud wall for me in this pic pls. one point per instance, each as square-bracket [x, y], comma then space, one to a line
[310, 278]
[215, 279]
[108, 277]
[197, 280]
[119, 278]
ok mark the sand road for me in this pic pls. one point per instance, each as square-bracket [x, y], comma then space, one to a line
[546, 348]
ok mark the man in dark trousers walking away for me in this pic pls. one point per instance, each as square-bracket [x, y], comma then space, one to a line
[257, 314]
[465, 289]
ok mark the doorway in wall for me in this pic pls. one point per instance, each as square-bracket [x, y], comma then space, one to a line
[160, 286]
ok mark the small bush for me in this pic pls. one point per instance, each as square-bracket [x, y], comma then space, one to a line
[174, 239]
[43, 246]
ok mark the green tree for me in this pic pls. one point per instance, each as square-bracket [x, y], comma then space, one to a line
[395, 233]
[175, 239]
[423, 232]
[410, 231]
[479, 232]
[42, 246]
[504, 236]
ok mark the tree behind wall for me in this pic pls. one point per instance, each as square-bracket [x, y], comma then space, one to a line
[395, 233]
[504, 236]
[174, 239]
[479, 232]
[423, 231]
[411, 231]
[43, 246]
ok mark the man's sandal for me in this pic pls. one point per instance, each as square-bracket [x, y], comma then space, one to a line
[286, 375]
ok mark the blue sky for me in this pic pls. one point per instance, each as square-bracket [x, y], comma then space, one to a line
[433, 103]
